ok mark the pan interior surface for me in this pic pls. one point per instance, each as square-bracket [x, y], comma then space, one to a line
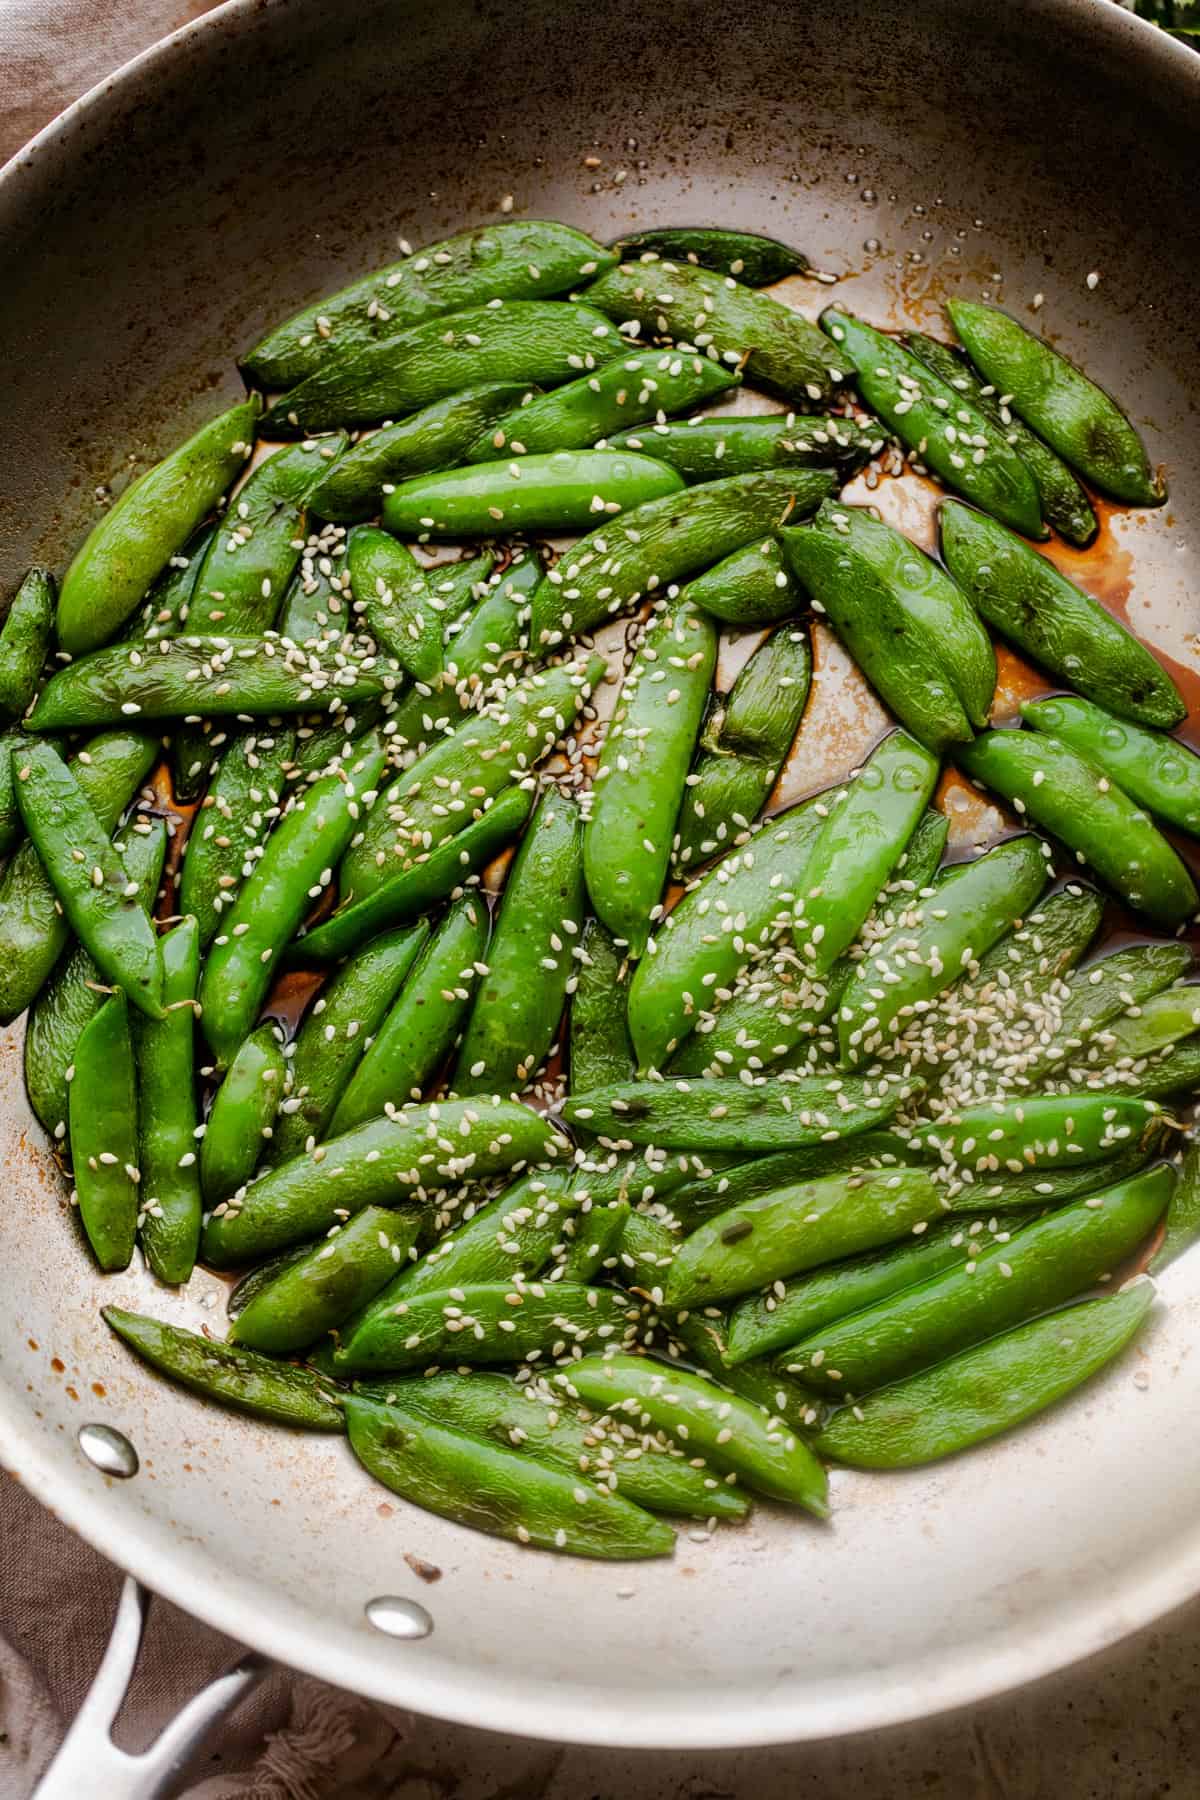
[262, 157]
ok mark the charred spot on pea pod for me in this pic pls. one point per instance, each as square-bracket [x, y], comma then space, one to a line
[733, 1234]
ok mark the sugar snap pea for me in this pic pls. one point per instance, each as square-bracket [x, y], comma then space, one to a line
[562, 490]
[940, 426]
[318, 606]
[666, 541]
[756, 260]
[1155, 1025]
[754, 586]
[397, 601]
[987, 1390]
[1004, 1193]
[714, 1423]
[103, 1125]
[518, 1004]
[650, 385]
[404, 1157]
[230, 829]
[24, 641]
[1157, 772]
[515, 259]
[697, 1198]
[243, 1113]
[490, 1322]
[1100, 992]
[1025, 598]
[600, 1048]
[229, 1375]
[316, 1292]
[1174, 1072]
[1183, 1213]
[777, 348]
[498, 1490]
[593, 1249]
[640, 778]
[703, 449]
[1051, 784]
[534, 342]
[743, 746]
[1065, 505]
[703, 1333]
[165, 609]
[720, 1115]
[1042, 1131]
[1076, 418]
[12, 826]
[169, 1190]
[101, 903]
[296, 866]
[151, 521]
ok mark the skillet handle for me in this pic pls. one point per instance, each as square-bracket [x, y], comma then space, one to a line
[88, 1762]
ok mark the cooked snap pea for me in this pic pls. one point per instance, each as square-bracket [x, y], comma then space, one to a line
[295, 867]
[490, 1322]
[1183, 1213]
[437, 437]
[515, 259]
[151, 521]
[752, 587]
[319, 1290]
[756, 260]
[1155, 1025]
[1051, 784]
[594, 1248]
[319, 606]
[697, 1198]
[912, 631]
[714, 1423]
[795, 1228]
[703, 449]
[229, 831]
[169, 1191]
[243, 1113]
[1157, 772]
[102, 905]
[666, 541]
[600, 1048]
[1076, 418]
[1042, 1131]
[404, 1157]
[560, 491]
[972, 906]
[987, 1390]
[704, 1336]
[12, 826]
[186, 676]
[396, 599]
[1173, 1072]
[743, 746]
[777, 349]
[726, 1115]
[498, 1490]
[518, 1004]
[165, 609]
[1099, 993]
[1065, 505]
[650, 385]
[230, 1375]
[532, 342]
[103, 1124]
[640, 778]
[1003, 1192]
[940, 426]
[1025, 598]
[1042, 1266]
[24, 641]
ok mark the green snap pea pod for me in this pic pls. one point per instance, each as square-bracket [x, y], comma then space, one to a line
[639, 1466]
[103, 1124]
[600, 1048]
[704, 1336]
[778, 349]
[318, 605]
[229, 1375]
[722, 1115]
[169, 1190]
[532, 342]
[796, 1228]
[987, 1390]
[1051, 784]
[641, 775]
[431, 803]
[595, 1246]
[560, 491]
[1003, 1192]
[743, 747]
[436, 437]
[752, 587]
[490, 1322]
[515, 259]
[716, 1424]
[322, 749]
[404, 1157]
[755, 260]
[257, 545]
[448, 870]
[101, 903]
[1042, 1266]
[294, 869]
[77, 990]
[319, 1290]
[1025, 599]
[1157, 772]
[1183, 1213]
[911, 630]
[704, 449]
[1076, 418]
[1099, 993]
[1155, 1025]
[666, 541]
[972, 906]
[397, 601]
[519, 1002]
[717, 926]
[165, 611]
[1173, 1072]
[261, 1276]
[941, 426]
[496, 1490]
[24, 641]
[1043, 1131]
[229, 831]
[411, 1042]
[12, 827]
[1065, 505]
[192, 755]
[243, 1113]
[646, 386]
[33, 927]
[698, 1198]
[184, 677]
[342, 1024]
